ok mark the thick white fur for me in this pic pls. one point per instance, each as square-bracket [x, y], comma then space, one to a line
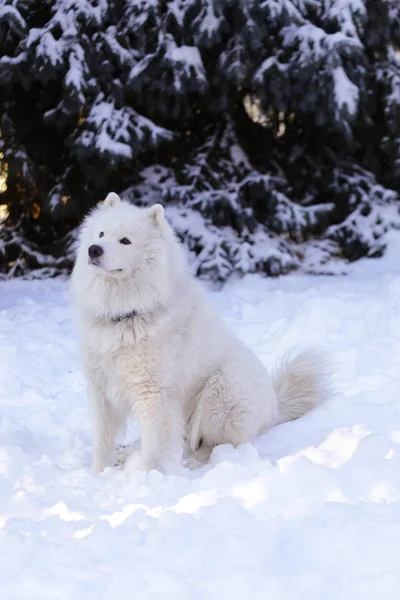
[189, 381]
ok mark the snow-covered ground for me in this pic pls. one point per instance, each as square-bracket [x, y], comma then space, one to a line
[309, 511]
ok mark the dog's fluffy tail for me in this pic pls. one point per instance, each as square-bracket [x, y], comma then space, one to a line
[301, 382]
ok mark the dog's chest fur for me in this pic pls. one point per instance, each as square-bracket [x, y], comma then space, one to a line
[130, 356]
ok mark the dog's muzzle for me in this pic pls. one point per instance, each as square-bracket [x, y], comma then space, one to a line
[95, 251]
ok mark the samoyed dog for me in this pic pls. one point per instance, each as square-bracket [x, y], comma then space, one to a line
[153, 345]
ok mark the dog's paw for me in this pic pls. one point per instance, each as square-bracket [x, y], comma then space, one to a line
[133, 458]
[121, 455]
[192, 462]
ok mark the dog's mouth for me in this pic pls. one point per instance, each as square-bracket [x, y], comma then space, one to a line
[97, 263]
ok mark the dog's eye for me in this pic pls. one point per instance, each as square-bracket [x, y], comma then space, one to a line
[101, 233]
[125, 241]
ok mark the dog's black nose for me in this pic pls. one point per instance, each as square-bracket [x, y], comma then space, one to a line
[95, 251]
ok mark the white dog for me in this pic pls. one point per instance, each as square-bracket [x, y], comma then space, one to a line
[152, 344]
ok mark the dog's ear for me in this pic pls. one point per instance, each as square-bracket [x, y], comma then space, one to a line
[157, 214]
[111, 200]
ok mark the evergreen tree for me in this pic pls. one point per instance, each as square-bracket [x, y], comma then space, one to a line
[269, 128]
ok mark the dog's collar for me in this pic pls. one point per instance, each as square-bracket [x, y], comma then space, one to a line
[129, 315]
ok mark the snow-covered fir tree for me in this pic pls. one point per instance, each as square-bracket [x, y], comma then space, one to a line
[270, 129]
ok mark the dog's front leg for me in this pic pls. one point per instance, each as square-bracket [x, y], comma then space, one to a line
[105, 425]
[161, 432]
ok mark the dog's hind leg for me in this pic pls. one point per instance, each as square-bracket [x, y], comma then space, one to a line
[223, 414]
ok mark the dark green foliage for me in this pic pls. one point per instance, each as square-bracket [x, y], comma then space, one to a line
[269, 128]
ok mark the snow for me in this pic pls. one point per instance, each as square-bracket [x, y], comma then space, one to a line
[111, 38]
[346, 92]
[277, 8]
[238, 156]
[47, 48]
[12, 15]
[77, 73]
[177, 9]
[211, 22]
[311, 42]
[186, 62]
[188, 55]
[350, 14]
[312, 45]
[311, 510]
[269, 63]
[118, 131]
[389, 76]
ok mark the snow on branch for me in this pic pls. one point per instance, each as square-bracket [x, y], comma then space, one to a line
[173, 69]
[117, 133]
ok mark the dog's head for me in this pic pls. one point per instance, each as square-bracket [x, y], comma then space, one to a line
[126, 248]
[120, 240]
